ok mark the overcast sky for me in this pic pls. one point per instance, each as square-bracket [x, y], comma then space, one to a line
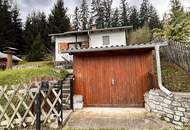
[28, 6]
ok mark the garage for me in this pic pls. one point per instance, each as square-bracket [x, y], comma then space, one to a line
[112, 76]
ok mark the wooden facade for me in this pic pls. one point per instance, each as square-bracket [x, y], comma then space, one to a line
[116, 78]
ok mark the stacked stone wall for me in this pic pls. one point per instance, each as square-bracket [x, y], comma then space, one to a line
[174, 109]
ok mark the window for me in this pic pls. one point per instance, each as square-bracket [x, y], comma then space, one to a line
[62, 46]
[106, 40]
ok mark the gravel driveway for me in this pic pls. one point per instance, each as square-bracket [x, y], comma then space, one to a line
[115, 118]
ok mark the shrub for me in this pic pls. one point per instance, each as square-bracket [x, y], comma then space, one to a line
[142, 35]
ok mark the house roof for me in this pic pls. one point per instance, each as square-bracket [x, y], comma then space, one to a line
[92, 31]
[114, 48]
[4, 56]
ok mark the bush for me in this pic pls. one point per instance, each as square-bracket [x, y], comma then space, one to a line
[142, 35]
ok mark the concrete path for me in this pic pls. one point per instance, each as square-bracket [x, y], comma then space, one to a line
[115, 118]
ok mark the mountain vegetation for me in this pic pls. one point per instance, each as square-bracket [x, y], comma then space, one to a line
[104, 16]
[176, 26]
[31, 37]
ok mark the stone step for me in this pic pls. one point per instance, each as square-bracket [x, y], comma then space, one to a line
[66, 85]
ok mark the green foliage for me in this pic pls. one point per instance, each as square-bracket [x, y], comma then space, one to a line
[177, 26]
[107, 12]
[115, 18]
[124, 13]
[84, 15]
[76, 22]
[36, 28]
[142, 35]
[134, 17]
[97, 10]
[34, 69]
[11, 27]
[148, 15]
[58, 19]
[37, 51]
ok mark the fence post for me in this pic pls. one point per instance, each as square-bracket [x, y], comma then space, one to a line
[38, 110]
[60, 105]
[71, 92]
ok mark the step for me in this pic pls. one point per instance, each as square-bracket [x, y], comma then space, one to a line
[66, 82]
[66, 85]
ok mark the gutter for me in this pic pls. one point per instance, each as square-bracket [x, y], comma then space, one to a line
[159, 75]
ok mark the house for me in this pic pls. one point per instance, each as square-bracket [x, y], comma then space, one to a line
[3, 60]
[89, 38]
[115, 75]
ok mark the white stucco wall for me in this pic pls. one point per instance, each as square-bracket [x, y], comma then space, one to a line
[95, 40]
[67, 39]
[116, 38]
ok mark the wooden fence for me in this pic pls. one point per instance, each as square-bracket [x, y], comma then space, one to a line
[17, 104]
[179, 53]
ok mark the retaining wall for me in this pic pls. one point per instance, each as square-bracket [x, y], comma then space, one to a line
[174, 109]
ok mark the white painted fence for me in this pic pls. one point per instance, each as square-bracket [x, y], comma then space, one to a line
[17, 104]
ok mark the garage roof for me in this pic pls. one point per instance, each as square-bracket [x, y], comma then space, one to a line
[114, 48]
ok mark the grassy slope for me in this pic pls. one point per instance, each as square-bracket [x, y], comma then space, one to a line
[175, 78]
[37, 69]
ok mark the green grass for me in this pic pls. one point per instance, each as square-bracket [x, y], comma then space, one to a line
[174, 77]
[41, 69]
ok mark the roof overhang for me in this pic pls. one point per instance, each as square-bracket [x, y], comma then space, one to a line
[92, 31]
[114, 48]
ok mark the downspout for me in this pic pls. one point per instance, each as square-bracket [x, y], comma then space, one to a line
[159, 75]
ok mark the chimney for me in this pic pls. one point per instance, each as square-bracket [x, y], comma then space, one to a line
[93, 26]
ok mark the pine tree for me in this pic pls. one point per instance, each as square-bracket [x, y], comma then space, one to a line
[37, 51]
[115, 18]
[154, 21]
[176, 5]
[76, 22]
[97, 13]
[84, 15]
[134, 17]
[58, 19]
[144, 13]
[18, 39]
[6, 31]
[177, 26]
[124, 13]
[36, 25]
[107, 12]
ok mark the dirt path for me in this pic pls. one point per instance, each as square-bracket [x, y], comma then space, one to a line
[115, 118]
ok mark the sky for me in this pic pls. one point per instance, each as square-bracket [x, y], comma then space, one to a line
[28, 6]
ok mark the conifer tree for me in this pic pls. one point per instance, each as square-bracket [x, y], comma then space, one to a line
[115, 18]
[124, 13]
[76, 22]
[18, 39]
[144, 13]
[134, 17]
[58, 19]
[84, 15]
[107, 12]
[97, 13]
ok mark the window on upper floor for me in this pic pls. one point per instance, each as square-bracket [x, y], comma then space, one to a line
[106, 40]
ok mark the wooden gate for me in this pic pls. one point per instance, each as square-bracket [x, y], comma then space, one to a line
[119, 79]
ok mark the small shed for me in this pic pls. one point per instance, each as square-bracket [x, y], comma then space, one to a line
[113, 76]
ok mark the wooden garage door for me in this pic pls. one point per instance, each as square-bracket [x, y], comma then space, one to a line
[112, 80]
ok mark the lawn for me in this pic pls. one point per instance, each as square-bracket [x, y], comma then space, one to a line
[26, 71]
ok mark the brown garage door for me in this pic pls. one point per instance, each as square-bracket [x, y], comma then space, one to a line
[112, 80]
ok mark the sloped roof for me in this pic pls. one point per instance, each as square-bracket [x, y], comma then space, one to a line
[4, 56]
[114, 48]
[91, 31]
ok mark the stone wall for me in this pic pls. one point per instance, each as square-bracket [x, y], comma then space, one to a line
[174, 109]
